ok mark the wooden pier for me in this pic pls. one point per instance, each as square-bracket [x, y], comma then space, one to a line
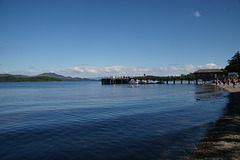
[115, 80]
[174, 81]
[127, 80]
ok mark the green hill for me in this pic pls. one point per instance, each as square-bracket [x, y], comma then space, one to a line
[12, 78]
[63, 78]
[40, 77]
[18, 76]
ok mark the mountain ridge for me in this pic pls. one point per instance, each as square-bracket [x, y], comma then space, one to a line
[63, 78]
[51, 75]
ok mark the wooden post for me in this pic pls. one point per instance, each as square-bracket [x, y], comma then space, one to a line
[174, 81]
[167, 81]
[181, 81]
[188, 81]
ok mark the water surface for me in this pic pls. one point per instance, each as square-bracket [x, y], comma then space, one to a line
[87, 120]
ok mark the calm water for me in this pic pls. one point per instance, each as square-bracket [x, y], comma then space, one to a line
[87, 120]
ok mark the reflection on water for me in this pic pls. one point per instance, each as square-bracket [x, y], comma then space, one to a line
[210, 93]
[87, 120]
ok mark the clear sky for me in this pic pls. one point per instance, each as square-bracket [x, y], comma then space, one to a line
[92, 38]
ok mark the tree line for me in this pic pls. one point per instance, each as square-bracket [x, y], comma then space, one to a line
[233, 64]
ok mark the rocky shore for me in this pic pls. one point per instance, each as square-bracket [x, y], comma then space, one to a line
[223, 139]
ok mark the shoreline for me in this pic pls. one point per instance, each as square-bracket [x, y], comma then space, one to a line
[222, 140]
[229, 88]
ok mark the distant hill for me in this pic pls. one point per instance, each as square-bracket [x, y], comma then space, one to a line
[48, 77]
[52, 75]
[20, 78]
[63, 78]
[5, 75]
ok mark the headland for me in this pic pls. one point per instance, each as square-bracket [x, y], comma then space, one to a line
[223, 139]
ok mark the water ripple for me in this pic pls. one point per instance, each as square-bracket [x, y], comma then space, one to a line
[85, 120]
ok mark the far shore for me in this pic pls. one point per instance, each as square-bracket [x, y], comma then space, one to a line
[223, 139]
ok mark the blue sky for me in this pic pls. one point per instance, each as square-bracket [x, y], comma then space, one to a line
[91, 38]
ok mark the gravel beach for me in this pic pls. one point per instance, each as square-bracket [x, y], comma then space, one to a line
[223, 139]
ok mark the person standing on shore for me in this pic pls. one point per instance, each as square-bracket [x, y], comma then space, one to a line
[219, 82]
[234, 82]
[239, 82]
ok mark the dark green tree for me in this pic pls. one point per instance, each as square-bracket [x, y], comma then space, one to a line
[234, 63]
[225, 72]
[190, 76]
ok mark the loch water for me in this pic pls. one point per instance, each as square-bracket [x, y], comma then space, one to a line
[87, 120]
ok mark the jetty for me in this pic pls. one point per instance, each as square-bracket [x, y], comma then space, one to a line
[116, 80]
[199, 77]
[143, 80]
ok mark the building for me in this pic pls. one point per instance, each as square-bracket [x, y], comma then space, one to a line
[208, 74]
